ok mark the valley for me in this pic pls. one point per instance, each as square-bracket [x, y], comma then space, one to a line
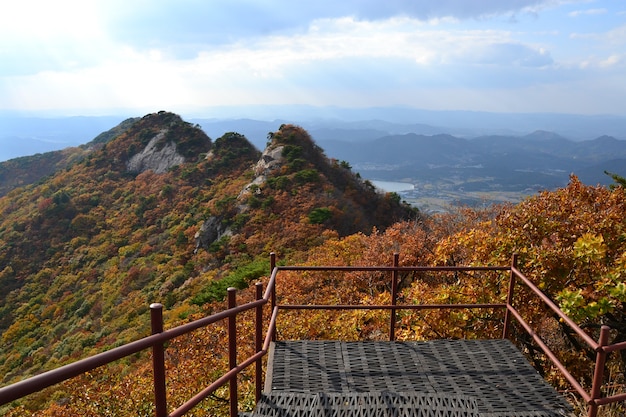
[440, 196]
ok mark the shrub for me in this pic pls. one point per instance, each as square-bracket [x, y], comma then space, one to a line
[239, 278]
[320, 215]
[307, 175]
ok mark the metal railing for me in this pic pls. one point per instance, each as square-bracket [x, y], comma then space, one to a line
[159, 337]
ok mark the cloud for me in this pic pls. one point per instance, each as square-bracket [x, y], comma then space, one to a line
[38, 36]
[616, 36]
[587, 12]
[608, 51]
[198, 22]
[507, 55]
[194, 53]
[335, 60]
[611, 61]
[399, 38]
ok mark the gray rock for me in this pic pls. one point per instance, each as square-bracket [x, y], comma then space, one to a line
[157, 160]
[210, 231]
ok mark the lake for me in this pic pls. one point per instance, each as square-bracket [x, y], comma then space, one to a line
[393, 187]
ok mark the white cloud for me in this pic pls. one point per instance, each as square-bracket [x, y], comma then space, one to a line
[617, 36]
[587, 12]
[611, 61]
[193, 23]
[333, 56]
[614, 36]
[38, 35]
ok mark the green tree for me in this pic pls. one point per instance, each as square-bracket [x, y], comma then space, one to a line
[320, 215]
[619, 180]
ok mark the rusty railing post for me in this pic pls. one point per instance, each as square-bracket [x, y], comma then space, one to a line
[258, 342]
[158, 361]
[232, 351]
[509, 299]
[394, 297]
[273, 293]
[598, 373]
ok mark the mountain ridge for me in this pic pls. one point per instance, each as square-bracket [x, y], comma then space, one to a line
[47, 133]
[538, 152]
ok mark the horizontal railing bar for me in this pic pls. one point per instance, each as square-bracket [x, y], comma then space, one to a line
[611, 399]
[546, 350]
[386, 307]
[195, 400]
[394, 268]
[613, 347]
[38, 382]
[203, 322]
[592, 343]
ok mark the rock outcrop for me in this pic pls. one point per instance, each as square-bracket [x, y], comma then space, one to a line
[155, 159]
[211, 231]
[271, 159]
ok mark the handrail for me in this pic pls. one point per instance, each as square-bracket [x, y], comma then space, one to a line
[547, 301]
[394, 268]
[228, 376]
[388, 307]
[38, 382]
[593, 398]
[581, 391]
[262, 342]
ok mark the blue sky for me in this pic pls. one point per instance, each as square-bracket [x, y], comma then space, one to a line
[103, 56]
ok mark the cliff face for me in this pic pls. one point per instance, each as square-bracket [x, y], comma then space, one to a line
[155, 159]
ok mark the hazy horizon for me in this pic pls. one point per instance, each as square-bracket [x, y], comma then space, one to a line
[24, 134]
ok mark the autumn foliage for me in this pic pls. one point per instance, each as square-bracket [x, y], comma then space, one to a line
[84, 252]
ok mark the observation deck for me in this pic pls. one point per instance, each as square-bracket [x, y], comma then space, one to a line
[434, 378]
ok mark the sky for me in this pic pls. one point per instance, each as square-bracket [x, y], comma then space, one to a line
[90, 57]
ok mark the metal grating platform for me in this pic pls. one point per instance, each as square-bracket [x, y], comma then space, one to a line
[471, 377]
[365, 405]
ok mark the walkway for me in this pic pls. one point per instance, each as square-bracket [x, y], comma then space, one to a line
[435, 378]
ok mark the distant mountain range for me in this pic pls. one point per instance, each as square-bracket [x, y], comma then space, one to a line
[27, 135]
[540, 159]
[477, 151]
[469, 151]
[23, 136]
[395, 120]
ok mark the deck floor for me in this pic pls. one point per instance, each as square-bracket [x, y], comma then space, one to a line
[492, 375]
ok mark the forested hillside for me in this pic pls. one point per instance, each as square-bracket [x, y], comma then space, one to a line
[164, 214]
[161, 213]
